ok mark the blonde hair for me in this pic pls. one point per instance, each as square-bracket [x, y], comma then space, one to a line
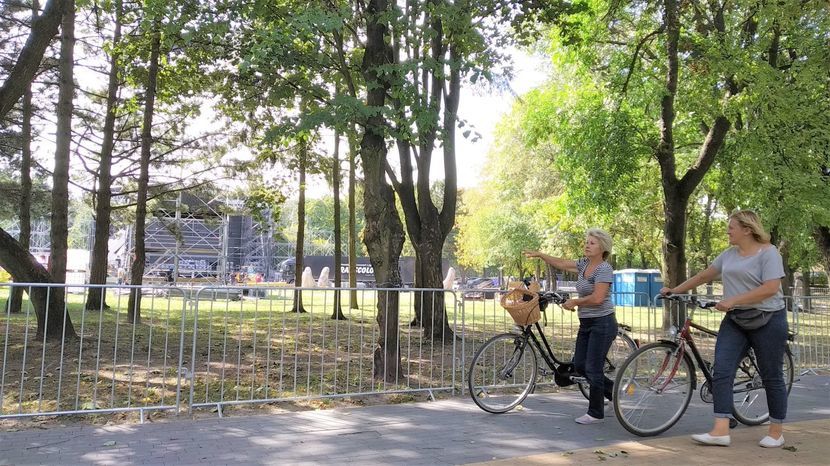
[604, 240]
[751, 220]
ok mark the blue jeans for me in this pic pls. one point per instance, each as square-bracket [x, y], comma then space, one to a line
[769, 343]
[592, 343]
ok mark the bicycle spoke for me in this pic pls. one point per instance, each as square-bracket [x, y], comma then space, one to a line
[502, 373]
[653, 389]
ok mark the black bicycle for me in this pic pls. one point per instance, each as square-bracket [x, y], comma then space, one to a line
[654, 385]
[504, 370]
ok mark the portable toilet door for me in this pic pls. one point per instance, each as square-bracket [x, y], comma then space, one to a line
[641, 288]
[623, 293]
[655, 283]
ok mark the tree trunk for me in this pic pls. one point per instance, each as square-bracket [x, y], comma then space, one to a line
[47, 302]
[337, 312]
[299, 250]
[806, 293]
[822, 237]
[25, 216]
[96, 298]
[352, 224]
[44, 28]
[430, 305]
[383, 232]
[428, 227]
[706, 237]
[139, 254]
[788, 282]
[59, 226]
[676, 192]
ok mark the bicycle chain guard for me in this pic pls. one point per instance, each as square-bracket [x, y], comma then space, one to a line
[562, 375]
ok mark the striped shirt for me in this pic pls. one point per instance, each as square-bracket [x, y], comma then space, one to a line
[604, 273]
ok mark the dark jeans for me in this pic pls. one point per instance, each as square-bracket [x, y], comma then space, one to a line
[592, 343]
[769, 343]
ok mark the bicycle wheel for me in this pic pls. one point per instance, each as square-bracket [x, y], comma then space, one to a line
[653, 388]
[503, 373]
[622, 347]
[749, 400]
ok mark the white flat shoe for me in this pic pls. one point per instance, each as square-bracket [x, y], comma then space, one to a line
[587, 419]
[716, 440]
[769, 442]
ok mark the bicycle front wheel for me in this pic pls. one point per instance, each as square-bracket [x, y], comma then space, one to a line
[749, 400]
[653, 388]
[621, 348]
[503, 373]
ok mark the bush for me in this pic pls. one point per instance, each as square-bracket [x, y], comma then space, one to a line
[5, 277]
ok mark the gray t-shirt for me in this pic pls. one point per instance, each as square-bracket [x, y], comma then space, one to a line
[604, 273]
[741, 274]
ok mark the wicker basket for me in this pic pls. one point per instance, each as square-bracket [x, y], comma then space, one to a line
[522, 305]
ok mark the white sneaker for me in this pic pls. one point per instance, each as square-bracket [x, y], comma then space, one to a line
[588, 419]
[717, 440]
[769, 442]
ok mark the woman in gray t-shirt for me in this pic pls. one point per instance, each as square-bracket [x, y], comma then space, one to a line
[597, 324]
[751, 271]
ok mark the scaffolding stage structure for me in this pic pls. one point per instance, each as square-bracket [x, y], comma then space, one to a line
[189, 239]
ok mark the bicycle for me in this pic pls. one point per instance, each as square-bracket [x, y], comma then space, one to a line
[504, 370]
[654, 385]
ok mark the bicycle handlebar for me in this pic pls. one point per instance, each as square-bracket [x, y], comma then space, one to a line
[546, 297]
[690, 299]
[553, 297]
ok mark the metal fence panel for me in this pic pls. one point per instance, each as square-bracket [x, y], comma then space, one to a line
[812, 324]
[219, 346]
[259, 349]
[109, 366]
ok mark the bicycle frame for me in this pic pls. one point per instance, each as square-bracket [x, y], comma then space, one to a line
[547, 353]
[684, 339]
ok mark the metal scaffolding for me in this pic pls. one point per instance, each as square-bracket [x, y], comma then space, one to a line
[191, 239]
[210, 240]
[39, 240]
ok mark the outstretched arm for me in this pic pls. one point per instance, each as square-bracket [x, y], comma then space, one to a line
[566, 265]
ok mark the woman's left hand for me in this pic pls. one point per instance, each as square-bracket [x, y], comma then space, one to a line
[569, 304]
[725, 305]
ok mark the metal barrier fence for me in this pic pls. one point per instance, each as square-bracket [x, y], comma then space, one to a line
[211, 347]
[260, 350]
[107, 366]
[811, 347]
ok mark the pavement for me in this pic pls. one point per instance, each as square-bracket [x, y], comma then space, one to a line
[445, 432]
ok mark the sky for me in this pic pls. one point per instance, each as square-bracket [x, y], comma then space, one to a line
[484, 111]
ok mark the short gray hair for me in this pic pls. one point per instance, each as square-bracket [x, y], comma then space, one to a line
[604, 240]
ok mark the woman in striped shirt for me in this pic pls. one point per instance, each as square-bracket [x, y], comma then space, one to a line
[597, 323]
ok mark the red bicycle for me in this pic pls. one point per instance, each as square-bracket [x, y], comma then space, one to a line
[654, 385]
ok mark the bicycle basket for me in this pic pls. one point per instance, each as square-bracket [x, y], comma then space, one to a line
[522, 305]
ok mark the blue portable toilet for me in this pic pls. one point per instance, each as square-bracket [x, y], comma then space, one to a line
[623, 287]
[655, 283]
[631, 287]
